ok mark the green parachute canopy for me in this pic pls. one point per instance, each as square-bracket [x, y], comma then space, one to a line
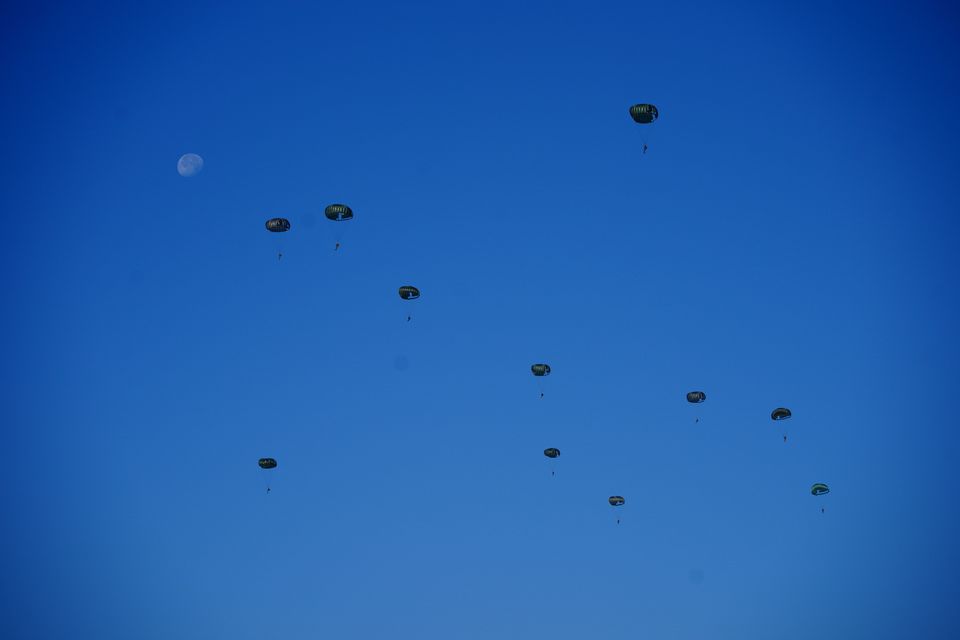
[644, 113]
[338, 212]
[616, 501]
[408, 292]
[267, 463]
[278, 225]
[780, 413]
[696, 397]
[819, 489]
[551, 452]
[540, 370]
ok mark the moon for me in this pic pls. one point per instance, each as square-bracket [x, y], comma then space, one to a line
[189, 165]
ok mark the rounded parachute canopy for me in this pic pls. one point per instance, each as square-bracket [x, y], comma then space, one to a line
[696, 397]
[644, 113]
[267, 463]
[616, 501]
[818, 489]
[278, 225]
[408, 292]
[551, 452]
[780, 413]
[338, 212]
[540, 370]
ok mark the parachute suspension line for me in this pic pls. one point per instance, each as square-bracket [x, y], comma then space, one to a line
[338, 214]
[696, 397]
[539, 371]
[644, 115]
[552, 453]
[409, 292]
[278, 226]
[615, 502]
[644, 142]
[779, 415]
[820, 489]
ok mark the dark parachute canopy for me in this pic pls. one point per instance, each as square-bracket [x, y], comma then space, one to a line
[551, 452]
[780, 413]
[267, 463]
[408, 292]
[644, 113]
[540, 370]
[819, 489]
[616, 501]
[338, 212]
[278, 225]
[696, 397]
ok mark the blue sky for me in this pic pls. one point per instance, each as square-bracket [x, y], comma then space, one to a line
[787, 240]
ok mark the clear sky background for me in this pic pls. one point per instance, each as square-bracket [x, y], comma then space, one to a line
[789, 239]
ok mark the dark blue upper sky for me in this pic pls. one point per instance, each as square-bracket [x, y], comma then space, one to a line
[788, 240]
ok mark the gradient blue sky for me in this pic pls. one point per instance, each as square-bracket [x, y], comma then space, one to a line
[789, 239]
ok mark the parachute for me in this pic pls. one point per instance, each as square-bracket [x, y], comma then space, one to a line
[539, 371]
[696, 397]
[408, 292]
[780, 413]
[278, 225]
[616, 501]
[338, 212]
[644, 113]
[267, 463]
[819, 489]
[552, 453]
